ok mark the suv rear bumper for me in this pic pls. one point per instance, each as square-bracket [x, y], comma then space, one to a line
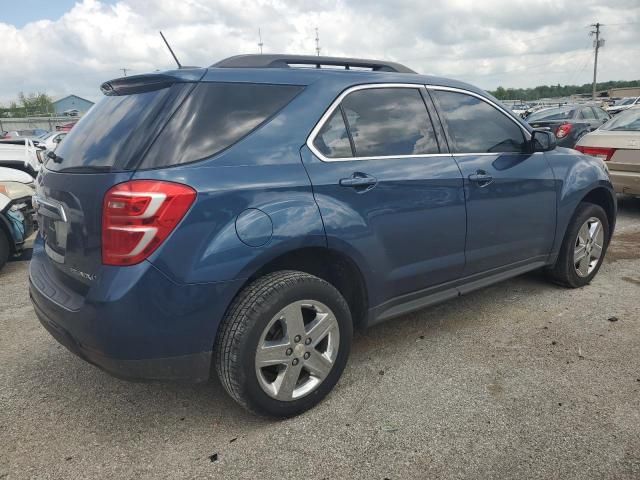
[194, 367]
[143, 327]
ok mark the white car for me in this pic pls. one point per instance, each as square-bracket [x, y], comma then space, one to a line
[17, 221]
[617, 142]
[21, 154]
[623, 104]
[50, 140]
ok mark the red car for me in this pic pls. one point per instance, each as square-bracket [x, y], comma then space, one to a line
[66, 127]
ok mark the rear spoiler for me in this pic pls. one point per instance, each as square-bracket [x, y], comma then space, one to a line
[150, 81]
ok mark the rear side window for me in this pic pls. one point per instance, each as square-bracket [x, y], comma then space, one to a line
[477, 127]
[587, 113]
[214, 117]
[332, 139]
[389, 122]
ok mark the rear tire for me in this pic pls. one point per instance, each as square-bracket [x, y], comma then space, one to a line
[583, 248]
[4, 249]
[283, 343]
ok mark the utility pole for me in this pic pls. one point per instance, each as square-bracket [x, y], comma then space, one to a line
[597, 43]
[317, 43]
[260, 44]
[124, 71]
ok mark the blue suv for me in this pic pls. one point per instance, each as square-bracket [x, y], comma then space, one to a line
[246, 217]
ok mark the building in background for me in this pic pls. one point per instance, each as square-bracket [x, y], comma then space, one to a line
[71, 105]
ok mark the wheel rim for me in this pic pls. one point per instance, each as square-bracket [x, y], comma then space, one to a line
[588, 247]
[297, 350]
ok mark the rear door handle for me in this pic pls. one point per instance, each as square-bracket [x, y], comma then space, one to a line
[481, 177]
[358, 181]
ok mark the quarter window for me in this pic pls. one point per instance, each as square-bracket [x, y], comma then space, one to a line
[477, 127]
[389, 122]
[332, 139]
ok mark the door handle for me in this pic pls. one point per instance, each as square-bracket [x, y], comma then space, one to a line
[481, 177]
[358, 181]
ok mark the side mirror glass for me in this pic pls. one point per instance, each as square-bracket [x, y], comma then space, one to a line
[543, 141]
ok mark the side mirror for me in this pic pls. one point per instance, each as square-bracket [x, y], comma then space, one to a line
[543, 141]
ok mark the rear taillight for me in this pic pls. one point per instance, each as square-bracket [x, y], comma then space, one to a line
[600, 152]
[137, 216]
[563, 130]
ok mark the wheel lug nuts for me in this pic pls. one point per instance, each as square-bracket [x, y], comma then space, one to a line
[307, 341]
[307, 355]
[297, 338]
[295, 361]
[289, 351]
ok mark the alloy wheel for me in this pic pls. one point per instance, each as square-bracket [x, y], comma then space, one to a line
[297, 350]
[588, 247]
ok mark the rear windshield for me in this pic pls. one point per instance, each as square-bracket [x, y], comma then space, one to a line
[563, 113]
[115, 132]
[627, 121]
[214, 117]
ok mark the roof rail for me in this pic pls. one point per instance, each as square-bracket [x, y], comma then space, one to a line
[287, 61]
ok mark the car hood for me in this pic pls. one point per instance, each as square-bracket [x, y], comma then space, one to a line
[13, 175]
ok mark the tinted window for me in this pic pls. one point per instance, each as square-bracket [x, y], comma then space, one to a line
[477, 127]
[333, 140]
[214, 117]
[587, 113]
[600, 114]
[116, 130]
[389, 122]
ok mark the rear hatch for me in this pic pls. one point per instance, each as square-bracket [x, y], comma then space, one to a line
[102, 150]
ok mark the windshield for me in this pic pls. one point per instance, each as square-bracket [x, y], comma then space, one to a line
[560, 113]
[625, 101]
[629, 120]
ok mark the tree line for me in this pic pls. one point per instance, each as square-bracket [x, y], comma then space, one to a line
[552, 91]
[31, 104]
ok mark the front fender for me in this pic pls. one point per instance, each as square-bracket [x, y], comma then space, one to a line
[576, 177]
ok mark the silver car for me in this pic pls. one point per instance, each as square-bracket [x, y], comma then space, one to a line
[618, 143]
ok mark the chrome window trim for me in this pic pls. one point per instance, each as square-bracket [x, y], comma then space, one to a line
[510, 116]
[336, 103]
[327, 114]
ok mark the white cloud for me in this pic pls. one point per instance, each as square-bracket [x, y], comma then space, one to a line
[510, 43]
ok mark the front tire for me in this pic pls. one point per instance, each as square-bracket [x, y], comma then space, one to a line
[283, 343]
[583, 248]
[4, 249]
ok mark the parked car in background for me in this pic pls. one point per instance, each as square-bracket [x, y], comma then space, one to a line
[569, 123]
[65, 127]
[17, 220]
[21, 154]
[51, 140]
[300, 203]
[28, 133]
[520, 108]
[618, 143]
[623, 104]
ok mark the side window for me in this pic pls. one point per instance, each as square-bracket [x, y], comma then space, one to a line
[333, 140]
[477, 127]
[587, 113]
[600, 114]
[389, 122]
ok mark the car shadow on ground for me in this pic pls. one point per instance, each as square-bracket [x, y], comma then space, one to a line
[141, 406]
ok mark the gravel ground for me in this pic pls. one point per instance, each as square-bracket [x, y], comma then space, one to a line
[520, 380]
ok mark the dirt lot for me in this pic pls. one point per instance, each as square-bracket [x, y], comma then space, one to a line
[520, 380]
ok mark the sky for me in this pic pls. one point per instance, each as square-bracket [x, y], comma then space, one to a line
[61, 47]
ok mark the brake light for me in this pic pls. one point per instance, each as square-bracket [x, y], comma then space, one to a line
[563, 130]
[600, 152]
[137, 216]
